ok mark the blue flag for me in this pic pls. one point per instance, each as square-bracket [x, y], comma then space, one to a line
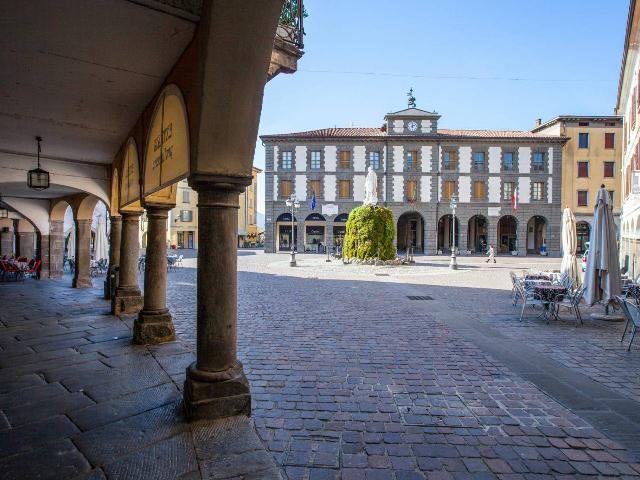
[313, 201]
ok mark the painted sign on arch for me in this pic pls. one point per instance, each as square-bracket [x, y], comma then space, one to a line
[130, 188]
[167, 152]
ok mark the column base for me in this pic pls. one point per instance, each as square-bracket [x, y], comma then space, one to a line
[153, 328]
[211, 395]
[126, 302]
[81, 283]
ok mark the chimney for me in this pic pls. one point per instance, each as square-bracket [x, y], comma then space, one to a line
[538, 122]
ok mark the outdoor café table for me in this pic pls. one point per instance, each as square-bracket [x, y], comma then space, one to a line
[549, 294]
[633, 291]
[537, 277]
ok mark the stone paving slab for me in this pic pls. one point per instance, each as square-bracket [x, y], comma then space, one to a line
[352, 379]
[79, 401]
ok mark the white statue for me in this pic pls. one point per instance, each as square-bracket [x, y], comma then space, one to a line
[371, 188]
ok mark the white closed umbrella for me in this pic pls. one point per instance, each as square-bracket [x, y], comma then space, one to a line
[100, 247]
[71, 243]
[569, 246]
[602, 276]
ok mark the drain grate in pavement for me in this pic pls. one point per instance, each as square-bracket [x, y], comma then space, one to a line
[381, 274]
[419, 297]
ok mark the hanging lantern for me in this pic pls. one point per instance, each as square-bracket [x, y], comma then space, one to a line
[38, 179]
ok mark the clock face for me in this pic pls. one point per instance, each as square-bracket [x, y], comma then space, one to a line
[412, 126]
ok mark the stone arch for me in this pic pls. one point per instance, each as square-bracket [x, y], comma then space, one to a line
[507, 230]
[583, 232]
[445, 237]
[410, 231]
[315, 232]
[167, 149]
[129, 179]
[7, 237]
[536, 234]
[58, 209]
[477, 234]
[115, 192]
[284, 240]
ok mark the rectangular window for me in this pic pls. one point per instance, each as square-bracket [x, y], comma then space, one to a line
[374, 160]
[315, 160]
[611, 192]
[538, 191]
[478, 190]
[583, 198]
[185, 196]
[609, 140]
[345, 159]
[448, 189]
[583, 140]
[507, 190]
[186, 215]
[478, 161]
[608, 169]
[583, 169]
[412, 160]
[507, 161]
[583, 124]
[412, 190]
[314, 186]
[286, 188]
[450, 160]
[538, 162]
[287, 160]
[344, 189]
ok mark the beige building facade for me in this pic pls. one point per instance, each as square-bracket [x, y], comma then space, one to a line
[183, 219]
[628, 106]
[591, 157]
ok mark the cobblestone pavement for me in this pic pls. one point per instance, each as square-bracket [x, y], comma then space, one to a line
[352, 379]
[79, 401]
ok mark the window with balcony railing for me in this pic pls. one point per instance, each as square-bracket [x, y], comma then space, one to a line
[450, 160]
[478, 161]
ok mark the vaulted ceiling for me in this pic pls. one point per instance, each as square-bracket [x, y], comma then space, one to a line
[79, 72]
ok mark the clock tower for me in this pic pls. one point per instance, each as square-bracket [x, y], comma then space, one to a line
[412, 120]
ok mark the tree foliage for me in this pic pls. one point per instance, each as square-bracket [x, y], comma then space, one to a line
[370, 233]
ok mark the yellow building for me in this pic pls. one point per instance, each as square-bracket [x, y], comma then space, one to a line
[248, 212]
[183, 218]
[592, 157]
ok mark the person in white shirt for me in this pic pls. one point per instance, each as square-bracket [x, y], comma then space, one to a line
[492, 254]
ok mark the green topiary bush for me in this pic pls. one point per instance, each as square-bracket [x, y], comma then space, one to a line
[370, 233]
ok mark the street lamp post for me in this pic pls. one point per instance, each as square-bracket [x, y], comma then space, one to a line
[329, 218]
[293, 204]
[453, 264]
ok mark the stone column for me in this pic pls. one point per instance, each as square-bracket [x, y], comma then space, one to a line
[26, 242]
[56, 248]
[6, 243]
[43, 255]
[115, 233]
[82, 275]
[154, 324]
[216, 385]
[128, 298]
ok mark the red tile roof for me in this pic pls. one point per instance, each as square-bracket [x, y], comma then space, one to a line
[442, 134]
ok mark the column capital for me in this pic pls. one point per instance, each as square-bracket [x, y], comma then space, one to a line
[203, 183]
[158, 209]
[115, 218]
[128, 215]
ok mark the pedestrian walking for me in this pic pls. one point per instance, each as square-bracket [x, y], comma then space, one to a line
[492, 254]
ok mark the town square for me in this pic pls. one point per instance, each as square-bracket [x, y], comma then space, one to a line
[308, 240]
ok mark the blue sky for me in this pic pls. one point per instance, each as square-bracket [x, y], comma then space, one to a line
[494, 64]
